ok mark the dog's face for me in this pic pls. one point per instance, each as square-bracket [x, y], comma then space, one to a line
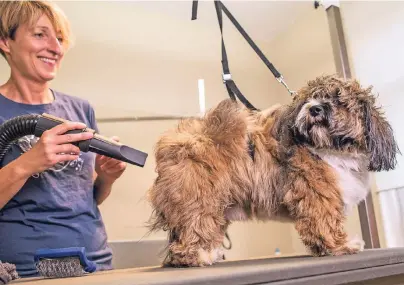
[331, 113]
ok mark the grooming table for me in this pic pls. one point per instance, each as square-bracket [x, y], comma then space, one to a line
[376, 266]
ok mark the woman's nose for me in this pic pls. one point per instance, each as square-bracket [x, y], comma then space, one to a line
[55, 46]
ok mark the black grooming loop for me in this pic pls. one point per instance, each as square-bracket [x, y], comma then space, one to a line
[231, 86]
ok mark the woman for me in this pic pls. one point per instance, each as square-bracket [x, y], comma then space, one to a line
[49, 195]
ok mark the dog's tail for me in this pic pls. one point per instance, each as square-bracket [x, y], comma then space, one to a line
[187, 157]
[227, 122]
[158, 222]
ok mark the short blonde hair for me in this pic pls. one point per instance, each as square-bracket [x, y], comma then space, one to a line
[16, 13]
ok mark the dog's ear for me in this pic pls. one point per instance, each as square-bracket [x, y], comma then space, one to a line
[284, 126]
[380, 141]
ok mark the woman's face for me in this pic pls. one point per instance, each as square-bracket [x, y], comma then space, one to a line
[36, 52]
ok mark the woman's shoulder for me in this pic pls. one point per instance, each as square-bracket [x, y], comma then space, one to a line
[64, 98]
[77, 107]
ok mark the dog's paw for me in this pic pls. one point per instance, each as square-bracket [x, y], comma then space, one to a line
[345, 250]
[209, 257]
[198, 259]
[357, 243]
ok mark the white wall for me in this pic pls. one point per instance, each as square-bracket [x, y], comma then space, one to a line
[374, 37]
[148, 62]
[130, 60]
[303, 52]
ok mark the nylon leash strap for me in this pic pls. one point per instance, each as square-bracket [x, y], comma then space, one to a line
[231, 86]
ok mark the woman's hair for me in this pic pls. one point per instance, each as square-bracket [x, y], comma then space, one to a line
[16, 13]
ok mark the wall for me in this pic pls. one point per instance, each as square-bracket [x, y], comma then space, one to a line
[300, 53]
[140, 79]
[149, 65]
[303, 52]
[375, 43]
[373, 31]
[156, 72]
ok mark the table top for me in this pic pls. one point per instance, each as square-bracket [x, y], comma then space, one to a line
[369, 264]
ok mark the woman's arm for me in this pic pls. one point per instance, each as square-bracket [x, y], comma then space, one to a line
[107, 171]
[53, 147]
[101, 189]
[12, 177]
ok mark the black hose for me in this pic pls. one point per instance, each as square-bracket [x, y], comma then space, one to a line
[14, 129]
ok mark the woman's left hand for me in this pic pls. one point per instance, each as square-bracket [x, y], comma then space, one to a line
[109, 169]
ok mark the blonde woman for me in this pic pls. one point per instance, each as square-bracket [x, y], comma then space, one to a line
[47, 199]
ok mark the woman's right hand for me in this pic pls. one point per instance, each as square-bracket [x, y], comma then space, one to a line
[54, 146]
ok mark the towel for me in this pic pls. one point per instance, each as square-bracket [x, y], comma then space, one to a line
[8, 273]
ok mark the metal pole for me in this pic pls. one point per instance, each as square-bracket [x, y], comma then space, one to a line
[365, 208]
[143, 118]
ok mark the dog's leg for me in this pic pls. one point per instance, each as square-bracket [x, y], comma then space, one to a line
[189, 204]
[319, 221]
[357, 242]
[195, 163]
[324, 235]
[198, 243]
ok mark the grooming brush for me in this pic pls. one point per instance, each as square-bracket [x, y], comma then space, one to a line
[8, 272]
[63, 262]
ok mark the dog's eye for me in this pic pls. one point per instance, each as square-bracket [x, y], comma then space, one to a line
[336, 101]
[335, 96]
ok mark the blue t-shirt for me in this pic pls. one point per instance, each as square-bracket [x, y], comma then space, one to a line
[55, 208]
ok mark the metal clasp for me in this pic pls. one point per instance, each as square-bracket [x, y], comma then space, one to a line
[280, 80]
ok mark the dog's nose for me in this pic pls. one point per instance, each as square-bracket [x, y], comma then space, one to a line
[316, 110]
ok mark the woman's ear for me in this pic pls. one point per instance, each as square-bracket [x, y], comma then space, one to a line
[4, 45]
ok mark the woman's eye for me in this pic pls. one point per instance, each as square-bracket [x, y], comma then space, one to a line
[60, 40]
[39, 35]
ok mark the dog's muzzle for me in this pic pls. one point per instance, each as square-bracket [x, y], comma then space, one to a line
[316, 111]
[318, 114]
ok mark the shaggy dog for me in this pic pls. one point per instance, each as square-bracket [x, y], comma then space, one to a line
[307, 162]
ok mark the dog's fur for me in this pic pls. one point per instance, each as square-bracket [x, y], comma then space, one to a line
[305, 169]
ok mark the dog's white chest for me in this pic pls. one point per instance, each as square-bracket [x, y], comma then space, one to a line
[353, 177]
